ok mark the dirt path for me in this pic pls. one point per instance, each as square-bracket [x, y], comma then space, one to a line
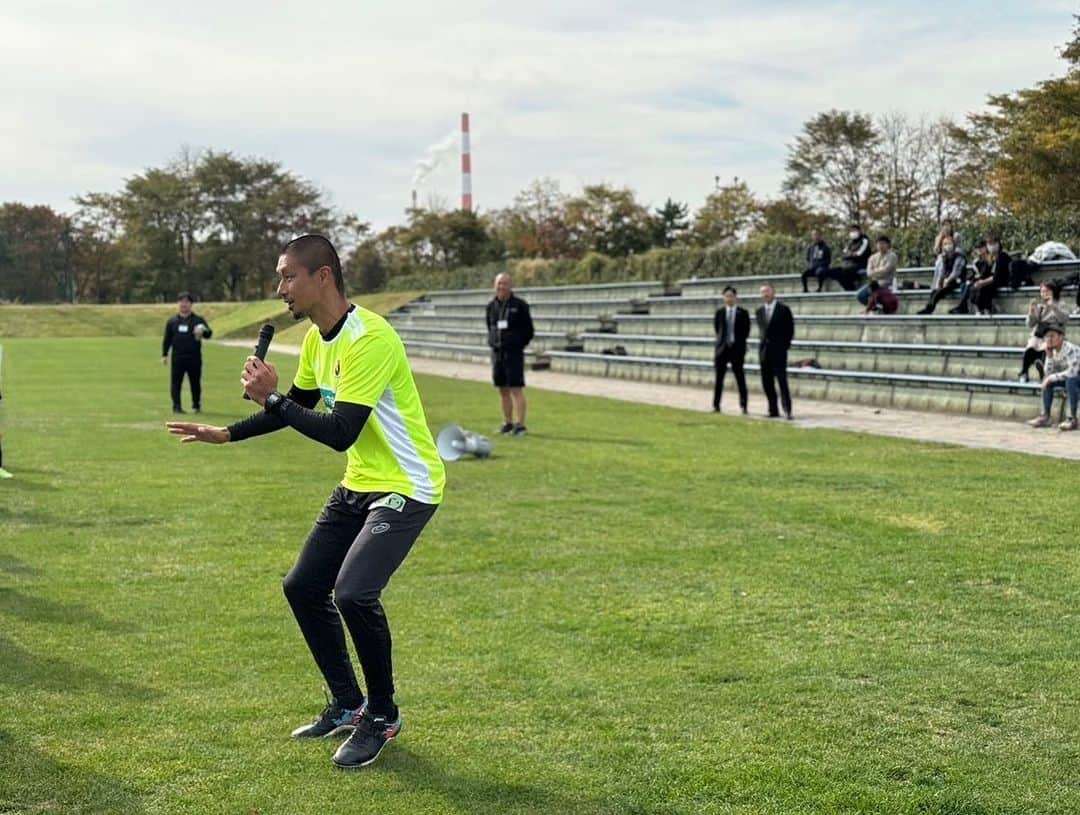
[966, 431]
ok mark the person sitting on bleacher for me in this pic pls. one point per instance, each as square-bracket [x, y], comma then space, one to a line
[980, 270]
[880, 269]
[853, 265]
[993, 277]
[1022, 271]
[1062, 371]
[818, 260]
[949, 272]
[1039, 315]
[881, 300]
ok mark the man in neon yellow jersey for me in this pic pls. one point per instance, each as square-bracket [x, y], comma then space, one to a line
[354, 362]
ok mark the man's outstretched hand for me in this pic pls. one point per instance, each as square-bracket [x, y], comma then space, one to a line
[190, 432]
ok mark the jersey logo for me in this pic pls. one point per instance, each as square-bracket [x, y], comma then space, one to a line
[328, 397]
[337, 368]
[378, 529]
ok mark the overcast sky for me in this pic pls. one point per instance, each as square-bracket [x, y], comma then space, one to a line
[657, 96]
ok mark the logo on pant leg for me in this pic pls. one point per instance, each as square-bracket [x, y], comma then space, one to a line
[390, 501]
[378, 529]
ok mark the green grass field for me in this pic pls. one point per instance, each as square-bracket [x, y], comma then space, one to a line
[632, 610]
[148, 320]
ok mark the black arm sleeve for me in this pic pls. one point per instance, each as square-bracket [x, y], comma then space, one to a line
[338, 429]
[166, 341]
[261, 423]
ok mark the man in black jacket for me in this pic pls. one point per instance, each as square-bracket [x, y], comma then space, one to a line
[853, 264]
[732, 326]
[777, 328]
[510, 330]
[184, 333]
[818, 261]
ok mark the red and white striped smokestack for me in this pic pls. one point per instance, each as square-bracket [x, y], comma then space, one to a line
[466, 165]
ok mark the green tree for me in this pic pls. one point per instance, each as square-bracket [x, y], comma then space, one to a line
[533, 225]
[670, 223]
[607, 220]
[35, 264]
[1028, 142]
[728, 215]
[833, 161]
[790, 216]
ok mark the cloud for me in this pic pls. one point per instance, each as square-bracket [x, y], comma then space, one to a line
[660, 99]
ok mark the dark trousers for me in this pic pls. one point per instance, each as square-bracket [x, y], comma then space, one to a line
[983, 299]
[725, 355]
[820, 273]
[192, 366]
[1032, 356]
[773, 373]
[348, 559]
[847, 276]
[937, 295]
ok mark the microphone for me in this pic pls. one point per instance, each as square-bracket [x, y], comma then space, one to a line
[266, 333]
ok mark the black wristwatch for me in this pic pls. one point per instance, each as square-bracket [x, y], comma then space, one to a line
[273, 402]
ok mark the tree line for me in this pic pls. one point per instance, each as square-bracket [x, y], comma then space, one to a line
[213, 222]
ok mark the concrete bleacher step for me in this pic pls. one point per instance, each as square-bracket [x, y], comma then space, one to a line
[935, 329]
[920, 275]
[975, 361]
[831, 303]
[542, 341]
[633, 290]
[468, 352]
[554, 323]
[939, 393]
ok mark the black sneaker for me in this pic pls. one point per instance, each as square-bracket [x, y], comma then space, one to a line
[506, 428]
[197, 410]
[519, 430]
[367, 740]
[333, 720]
[178, 411]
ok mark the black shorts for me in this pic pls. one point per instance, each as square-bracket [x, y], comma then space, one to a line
[508, 369]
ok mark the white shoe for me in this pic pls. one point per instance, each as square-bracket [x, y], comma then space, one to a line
[5, 474]
[1022, 378]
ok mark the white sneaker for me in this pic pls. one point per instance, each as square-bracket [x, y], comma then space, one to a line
[1040, 421]
[5, 474]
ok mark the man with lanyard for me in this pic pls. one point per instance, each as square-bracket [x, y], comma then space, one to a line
[510, 330]
[184, 333]
[355, 362]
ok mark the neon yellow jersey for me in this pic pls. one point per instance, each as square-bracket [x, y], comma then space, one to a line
[365, 364]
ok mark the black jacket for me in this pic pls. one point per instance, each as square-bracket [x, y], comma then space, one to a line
[858, 252]
[999, 269]
[742, 329]
[180, 335]
[518, 332]
[781, 328]
[818, 256]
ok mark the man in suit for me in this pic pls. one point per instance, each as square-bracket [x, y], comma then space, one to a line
[732, 326]
[777, 328]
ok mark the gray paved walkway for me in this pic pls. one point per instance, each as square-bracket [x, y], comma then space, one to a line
[966, 431]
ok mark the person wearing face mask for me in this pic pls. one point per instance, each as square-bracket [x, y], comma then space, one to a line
[994, 278]
[949, 271]
[853, 264]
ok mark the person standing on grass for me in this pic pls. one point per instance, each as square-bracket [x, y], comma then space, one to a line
[510, 330]
[184, 333]
[355, 362]
[1062, 371]
[732, 326]
[777, 328]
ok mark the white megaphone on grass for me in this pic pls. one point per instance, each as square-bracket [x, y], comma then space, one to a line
[454, 442]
